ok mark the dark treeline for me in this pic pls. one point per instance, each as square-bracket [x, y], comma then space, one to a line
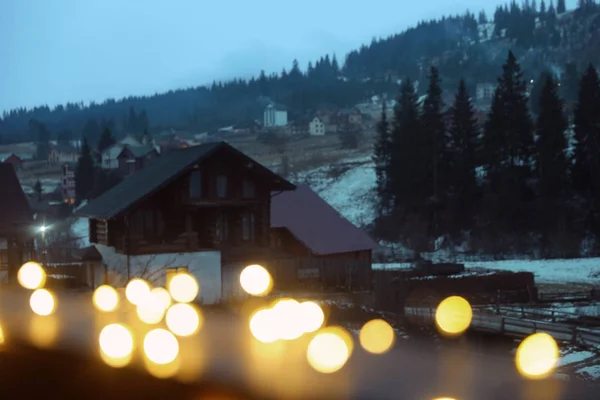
[516, 183]
[454, 44]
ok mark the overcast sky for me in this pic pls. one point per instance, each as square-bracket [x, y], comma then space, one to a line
[54, 51]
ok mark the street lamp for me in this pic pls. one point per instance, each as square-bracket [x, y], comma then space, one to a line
[43, 230]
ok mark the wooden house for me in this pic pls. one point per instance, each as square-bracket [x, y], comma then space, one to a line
[16, 225]
[206, 198]
[324, 246]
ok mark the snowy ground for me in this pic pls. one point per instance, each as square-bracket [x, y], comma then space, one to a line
[349, 186]
[580, 364]
[80, 231]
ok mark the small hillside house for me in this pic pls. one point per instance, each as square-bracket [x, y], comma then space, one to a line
[316, 127]
[67, 183]
[134, 158]
[197, 208]
[275, 116]
[305, 226]
[16, 225]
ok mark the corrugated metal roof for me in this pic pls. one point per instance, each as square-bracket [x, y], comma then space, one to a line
[157, 175]
[14, 207]
[316, 224]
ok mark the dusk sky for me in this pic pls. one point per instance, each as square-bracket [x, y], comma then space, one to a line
[54, 51]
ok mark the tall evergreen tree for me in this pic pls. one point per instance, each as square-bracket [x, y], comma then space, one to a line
[464, 135]
[382, 160]
[84, 173]
[408, 172]
[551, 144]
[106, 140]
[561, 7]
[507, 153]
[586, 165]
[433, 130]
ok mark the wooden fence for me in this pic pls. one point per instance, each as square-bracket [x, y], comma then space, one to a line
[513, 326]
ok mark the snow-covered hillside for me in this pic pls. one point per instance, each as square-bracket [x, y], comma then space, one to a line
[349, 186]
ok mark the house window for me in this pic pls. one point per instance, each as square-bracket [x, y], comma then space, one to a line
[248, 191]
[248, 227]
[222, 229]
[222, 186]
[196, 185]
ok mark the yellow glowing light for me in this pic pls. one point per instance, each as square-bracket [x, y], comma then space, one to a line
[377, 336]
[287, 314]
[161, 346]
[163, 295]
[1, 335]
[116, 345]
[311, 315]
[151, 309]
[256, 280]
[31, 276]
[328, 352]
[454, 315]
[106, 298]
[263, 326]
[137, 290]
[183, 288]
[537, 356]
[183, 319]
[42, 302]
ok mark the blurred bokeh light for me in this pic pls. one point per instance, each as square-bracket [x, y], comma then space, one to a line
[151, 309]
[43, 331]
[312, 316]
[289, 325]
[137, 290]
[161, 346]
[42, 302]
[163, 295]
[537, 356]
[329, 350]
[1, 335]
[183, 288]
[31, 276]
[453, 315]
[256, 280]
[106, 298]
[263, 325]
[116, 345]
[183, 319]
[377, 336]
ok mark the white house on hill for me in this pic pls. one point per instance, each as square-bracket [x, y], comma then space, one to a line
[316, 127]
[275, 115]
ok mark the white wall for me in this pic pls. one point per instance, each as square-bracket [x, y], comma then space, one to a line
[274, 117]
[205, 266]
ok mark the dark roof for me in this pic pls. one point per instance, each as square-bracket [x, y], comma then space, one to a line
[14, 207]
[316, 224]
[160, 173]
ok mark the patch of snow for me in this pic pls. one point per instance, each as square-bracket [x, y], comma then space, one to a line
[351, 191]
[574, 358]
[591, 372]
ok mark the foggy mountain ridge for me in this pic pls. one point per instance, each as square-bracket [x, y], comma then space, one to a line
[470, 46]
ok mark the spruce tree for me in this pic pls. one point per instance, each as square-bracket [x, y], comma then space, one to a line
[464, 135]
[382, 159]
[561, 7]
[435, 143]
[586, 167]
[407, 175]
[551, 144]
[84, 173]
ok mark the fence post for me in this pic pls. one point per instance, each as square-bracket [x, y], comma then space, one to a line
[553, 318]
[502, 325]
[574, 335]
